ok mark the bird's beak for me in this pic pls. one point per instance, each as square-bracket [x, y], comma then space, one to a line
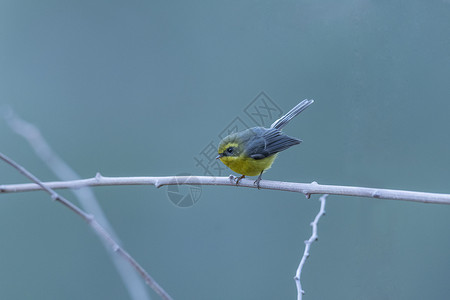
[219, 156]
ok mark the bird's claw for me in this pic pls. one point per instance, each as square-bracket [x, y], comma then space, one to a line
[258, 180]
[257, 183]
[239, 179]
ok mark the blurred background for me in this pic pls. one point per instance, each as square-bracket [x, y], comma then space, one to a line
[142, 88]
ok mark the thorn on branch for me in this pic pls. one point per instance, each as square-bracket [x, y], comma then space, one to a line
[232, 178]
[314, 237]
[376, 194]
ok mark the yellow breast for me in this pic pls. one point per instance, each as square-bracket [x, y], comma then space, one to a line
[246, 165]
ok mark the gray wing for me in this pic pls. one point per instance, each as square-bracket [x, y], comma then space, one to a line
[269, 143]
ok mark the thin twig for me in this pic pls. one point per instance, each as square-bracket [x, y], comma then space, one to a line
[305, 188]
[308, 243]
[93, 223]
[136, 288]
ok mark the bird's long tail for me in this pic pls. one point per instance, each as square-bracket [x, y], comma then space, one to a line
[281, 122]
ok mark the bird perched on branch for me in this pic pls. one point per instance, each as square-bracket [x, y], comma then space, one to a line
[252, 151]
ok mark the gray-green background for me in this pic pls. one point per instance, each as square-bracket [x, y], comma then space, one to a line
[139, 88]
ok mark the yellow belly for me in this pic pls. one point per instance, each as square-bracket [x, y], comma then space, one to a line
[248, 166]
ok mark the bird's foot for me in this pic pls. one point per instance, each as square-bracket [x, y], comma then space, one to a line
[258, 180]
[257, 183]
[239, 179]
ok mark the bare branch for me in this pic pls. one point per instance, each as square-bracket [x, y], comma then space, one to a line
[308, 243]
[136, 288]
[305, 188]
[94, 224]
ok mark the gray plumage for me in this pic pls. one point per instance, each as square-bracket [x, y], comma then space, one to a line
[267, 142]
[260, 142]
[284, 120]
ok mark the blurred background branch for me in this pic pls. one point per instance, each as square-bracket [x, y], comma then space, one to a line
[98, 229]
[135, 287]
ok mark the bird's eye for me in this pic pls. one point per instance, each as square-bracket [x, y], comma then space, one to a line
[230, 150]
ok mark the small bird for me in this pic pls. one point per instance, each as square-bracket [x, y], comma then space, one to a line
[252, 151]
